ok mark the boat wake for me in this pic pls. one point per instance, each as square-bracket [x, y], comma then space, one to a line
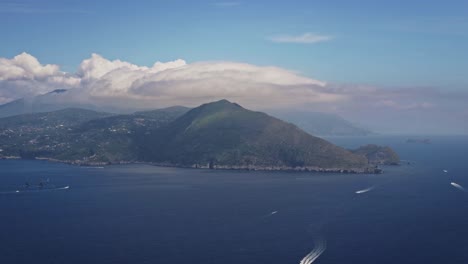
[458, 186]
[38, 190]
[45, 190]
[270, 214]
[365, 190]
[320, 247]
[9, 192]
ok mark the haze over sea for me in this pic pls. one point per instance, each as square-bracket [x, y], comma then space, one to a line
[147, 214]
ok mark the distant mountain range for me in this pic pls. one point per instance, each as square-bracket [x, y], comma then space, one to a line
[323, 124]
[315, 123]
[220, 135]
[56, 100]
[40, 103]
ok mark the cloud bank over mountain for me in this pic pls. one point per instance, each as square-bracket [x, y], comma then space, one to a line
[163, 84]
[117, 83]
[23, 76]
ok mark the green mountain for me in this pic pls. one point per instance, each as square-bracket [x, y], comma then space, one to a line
[216, 135]
[134, 122]
[60, 118]
[224, 134]
[315, 123]
[79, 135]
[378, 154]
[114, 138]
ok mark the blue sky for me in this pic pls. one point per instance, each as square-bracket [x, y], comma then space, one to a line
[388, 43]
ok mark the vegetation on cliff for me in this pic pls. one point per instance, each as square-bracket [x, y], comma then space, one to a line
[378, 155]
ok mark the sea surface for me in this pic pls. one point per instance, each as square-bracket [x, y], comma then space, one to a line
[145, 214]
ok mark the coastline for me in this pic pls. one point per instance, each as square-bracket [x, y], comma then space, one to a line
[313, 169]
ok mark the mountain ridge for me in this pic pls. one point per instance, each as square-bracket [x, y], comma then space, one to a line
[219, 135]
[315, 123]
[228, 135]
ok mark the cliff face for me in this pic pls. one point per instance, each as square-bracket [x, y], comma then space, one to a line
[378, 155]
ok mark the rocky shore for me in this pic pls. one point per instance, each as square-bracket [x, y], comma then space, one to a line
[366, 170]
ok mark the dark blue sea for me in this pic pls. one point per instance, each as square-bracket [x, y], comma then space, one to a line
[147, 214]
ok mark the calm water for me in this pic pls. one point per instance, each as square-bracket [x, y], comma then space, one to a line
[145, 214]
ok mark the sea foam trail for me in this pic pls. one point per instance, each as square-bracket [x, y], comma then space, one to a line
[270, 214]
[458, 186]
[365, 190]
[43, 190]
[320, 246]
[10, 192]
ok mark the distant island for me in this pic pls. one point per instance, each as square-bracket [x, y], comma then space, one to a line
[378, 155]
[217, 135]
[419, 140]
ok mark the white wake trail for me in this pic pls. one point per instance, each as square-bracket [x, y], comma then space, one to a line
[43, 190]
[458, 186]
[270, 214]
[320, 247]
[9, 192]
[365, 190]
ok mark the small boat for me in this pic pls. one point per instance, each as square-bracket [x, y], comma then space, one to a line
[41, 186]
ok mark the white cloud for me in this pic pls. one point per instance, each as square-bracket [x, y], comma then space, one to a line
[120, 84]
[177, 82]
[162, 66]
[25, 66]
[97, 66]
[23, 76]
[306, 38]
[112, 82]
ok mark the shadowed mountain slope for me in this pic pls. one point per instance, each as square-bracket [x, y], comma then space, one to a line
[225, 134]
